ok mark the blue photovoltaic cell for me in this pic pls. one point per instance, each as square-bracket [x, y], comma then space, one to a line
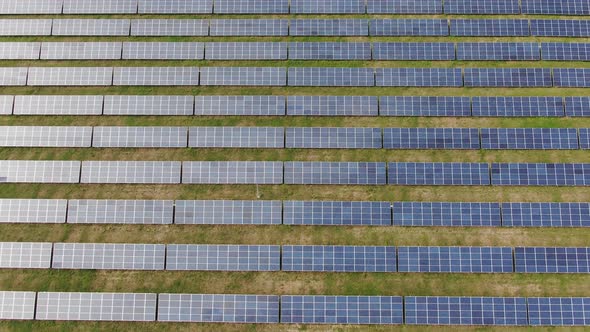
[571, 77]
[185, 257]
[446, 214]
[246, 51]
[404, 7]
[419, 77]
[518, 106]
[418, 174]
[334, 27]
[455, 259]
[424, 106]
[327, 7]
[336, 213]
[333, 105]
[338, 259]
[552, 260]
[413, 51]
[552, 7]
[232, 172]
[316, 309]
[175, 6]
[100, 7]
[566, 51]
[498, 51]
[244, 76]
[546, 214]
[483, 28]
[349, 173]
[559, 311]
[241, 27]
[330, 76]
[251, 7]
[482, 7]
[540, 174]
[409, 27]
[431, 138]
[228, 213]
[560, 28]
[333, 138]
[431, 310]
[218, 308]
[240, 105]
[236, 137]
[329, 51]
[585, 138]
[577, 106]
[508, 77]
[529, 138]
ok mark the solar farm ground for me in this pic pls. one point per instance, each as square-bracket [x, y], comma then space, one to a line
[278, 283]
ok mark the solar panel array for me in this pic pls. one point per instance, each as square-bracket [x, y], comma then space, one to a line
[236, 137]
[455, 259]
[482, 7]
[316, 76]
[51, 211]
[344, 173]
[332, 106]
[120, 212]
[454, 174]
[404, 7]
[17, 305]
[418, 77]
[175, 6]
[339, 259]
[101, 256]
[29, 171]
[336, 213]
[446, 214]
[54, 136]
[148, 105]
[329, 51]
[424, 106]
[414, 51]
[431, 138]
[558, 311]
[489, 28]
[538, 174]
[333, 138]
[246, 51]
[529, 138]
[163, 51]
[25, 255]
[518, 106]
[232, 172]
[228, 212]
[58, 105]
[546, 214]
[508, 77]
[223, 258]
[240, 105]
[552, 260]
[560, 28]
[131, 172]
[139, 137]
[498, 51]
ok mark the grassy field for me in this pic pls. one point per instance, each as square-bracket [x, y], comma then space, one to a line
[280, 283]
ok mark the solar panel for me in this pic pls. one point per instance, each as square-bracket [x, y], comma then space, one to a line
[41, 211]
[14, 76]
[431, 310]
[25, 27]
[19, 50]
[332, 27]
[218, 308]
[435, 174]
[169, 27]
[17, 305]
[175, 6]
[409, 27]
[58, 105]
[108, 256]
[181, 257]
[148, 105]
[584, 138]
[562, 7]
[317, 309]
[37, 136]
[540, 174]
[498, 51]
[518, 106]
[348, 173]
[338, 259]
[35, 171]
[559, 311]
[413, 51]
[488, 28]
[246, 51]
[565, 51]
[25, 255]
[6, 104]
[327, 7]
[236, 137]
[163, 51]
[131, 172]
[318, 76]
[90, 27]
[232, 172]
[529, 138]
[332, 105]
[455, 259]
[12, 7]
[242, 76]
[404, 7]
[447, 214]
[101, 7]
[156, 76]
[244, 27]
[96, 306]
[546, 214]
[482, 7]
[431, 138]
[228, 213]
[508, 77]
[552, 260]
[81, 51]
[424, 106]
[333, 138]
[139, 137]
[240, 105]
[571, 77]
[560, 28]
[70, 76]
[251, 7]
[426, 77]
[577, 106]
[329, 51]
[120, 212]
[336, 213]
